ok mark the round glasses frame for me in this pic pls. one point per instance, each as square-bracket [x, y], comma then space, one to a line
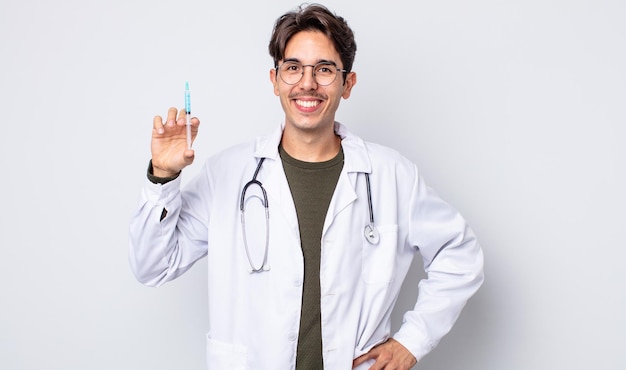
[291, 73]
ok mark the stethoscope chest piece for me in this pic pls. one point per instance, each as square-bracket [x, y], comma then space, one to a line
[371, 234]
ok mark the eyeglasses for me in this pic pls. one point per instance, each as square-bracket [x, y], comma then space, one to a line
[324, 73]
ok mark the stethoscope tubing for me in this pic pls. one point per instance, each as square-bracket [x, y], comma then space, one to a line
[242, 208]
[255, 182]
[370, 231]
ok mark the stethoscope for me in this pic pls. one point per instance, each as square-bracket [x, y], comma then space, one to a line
[370, 232]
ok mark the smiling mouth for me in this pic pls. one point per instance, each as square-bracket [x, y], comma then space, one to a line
[308, 103]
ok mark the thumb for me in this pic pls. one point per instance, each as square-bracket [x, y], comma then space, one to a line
[188, 156]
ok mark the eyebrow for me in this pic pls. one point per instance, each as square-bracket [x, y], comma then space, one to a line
[296, 60]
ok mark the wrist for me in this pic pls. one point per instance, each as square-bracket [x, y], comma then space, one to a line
[159, 176]
[157, 172]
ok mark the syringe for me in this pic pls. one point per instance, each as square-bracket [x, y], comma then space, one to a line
[188, 114]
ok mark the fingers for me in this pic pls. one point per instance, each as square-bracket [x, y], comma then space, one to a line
[157, 124]
[390, 355]
[182, 117]
[359, 360]
[195, 123]
[171, 115]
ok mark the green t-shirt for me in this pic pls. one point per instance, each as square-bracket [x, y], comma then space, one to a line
[312, 186]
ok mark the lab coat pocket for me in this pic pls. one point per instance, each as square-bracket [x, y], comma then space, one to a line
[379, 260]
[221, 355]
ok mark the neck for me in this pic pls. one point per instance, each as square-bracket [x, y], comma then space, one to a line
[311, 147]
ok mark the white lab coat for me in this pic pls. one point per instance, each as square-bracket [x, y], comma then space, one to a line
[254, 317]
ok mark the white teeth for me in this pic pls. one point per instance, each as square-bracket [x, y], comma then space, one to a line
[308, 103]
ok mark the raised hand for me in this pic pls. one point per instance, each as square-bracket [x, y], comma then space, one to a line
[169, 143]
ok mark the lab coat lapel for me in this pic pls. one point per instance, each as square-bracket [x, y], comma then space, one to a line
[343, 196]
[275, 182]
[279, 194]
[355, 162]
[272, 175]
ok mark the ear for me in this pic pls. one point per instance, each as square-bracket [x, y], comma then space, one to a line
[348, 84]
[274, 81]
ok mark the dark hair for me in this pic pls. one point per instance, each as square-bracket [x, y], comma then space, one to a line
[313, 17]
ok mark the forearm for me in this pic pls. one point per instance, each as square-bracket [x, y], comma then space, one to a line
[152, 238]
[454, 276]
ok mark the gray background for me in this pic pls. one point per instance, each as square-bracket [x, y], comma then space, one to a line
[514, 111]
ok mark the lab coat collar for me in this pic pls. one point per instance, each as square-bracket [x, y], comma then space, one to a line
[355, 153]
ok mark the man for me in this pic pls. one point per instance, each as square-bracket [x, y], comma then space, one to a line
[312, 286]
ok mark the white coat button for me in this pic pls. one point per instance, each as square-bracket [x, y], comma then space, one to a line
[297, 282]
[293, 337]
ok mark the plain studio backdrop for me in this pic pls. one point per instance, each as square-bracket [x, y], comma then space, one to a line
[513, 110]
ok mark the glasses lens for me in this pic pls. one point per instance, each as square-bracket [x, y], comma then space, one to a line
[324, 73]
[290, 72]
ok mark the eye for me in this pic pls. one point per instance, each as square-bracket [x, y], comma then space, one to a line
[325, 69]
[291, 67]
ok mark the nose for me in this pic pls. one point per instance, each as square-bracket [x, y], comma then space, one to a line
[308, 78]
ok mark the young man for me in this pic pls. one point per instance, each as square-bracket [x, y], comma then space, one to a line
[312, 286]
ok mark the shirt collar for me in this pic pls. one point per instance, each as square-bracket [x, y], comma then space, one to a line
[354, 148]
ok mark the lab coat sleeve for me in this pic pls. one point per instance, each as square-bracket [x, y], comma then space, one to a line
[453, 262]
[168, 231]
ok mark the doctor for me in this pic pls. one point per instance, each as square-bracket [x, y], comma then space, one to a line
[309, 231]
